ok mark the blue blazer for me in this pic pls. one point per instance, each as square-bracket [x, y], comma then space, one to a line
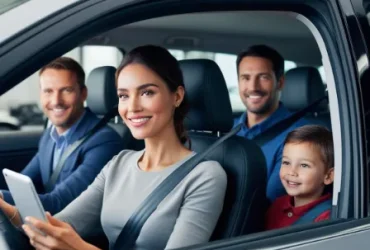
[80, 168]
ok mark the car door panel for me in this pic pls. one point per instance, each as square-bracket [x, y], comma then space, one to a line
[338, 234]
[17, 149]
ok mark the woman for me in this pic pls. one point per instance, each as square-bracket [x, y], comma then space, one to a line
[153, 105]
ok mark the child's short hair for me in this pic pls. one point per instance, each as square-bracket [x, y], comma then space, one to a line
[319, 136]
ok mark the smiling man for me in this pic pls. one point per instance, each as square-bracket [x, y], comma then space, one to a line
[261, 79]
[62, 96]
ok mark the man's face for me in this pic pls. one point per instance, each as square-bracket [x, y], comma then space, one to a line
[258, 86]
[61, 97]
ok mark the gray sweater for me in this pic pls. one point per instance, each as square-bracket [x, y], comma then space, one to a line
[187, 216]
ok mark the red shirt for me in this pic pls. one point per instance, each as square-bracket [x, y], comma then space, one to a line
[283, 214]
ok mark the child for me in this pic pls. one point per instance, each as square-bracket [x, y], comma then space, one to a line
[307, 173]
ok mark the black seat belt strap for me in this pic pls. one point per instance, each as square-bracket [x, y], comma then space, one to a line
[284, 124]
[131, 230]
[71, 148]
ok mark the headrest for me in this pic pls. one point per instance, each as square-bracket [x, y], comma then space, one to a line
[102, 93]
[303, 86]
[210, 108]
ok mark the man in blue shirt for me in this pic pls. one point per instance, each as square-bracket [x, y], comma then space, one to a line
[261, 79]
[62, 95]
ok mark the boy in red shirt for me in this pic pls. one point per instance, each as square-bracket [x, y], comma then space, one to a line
[307, 173]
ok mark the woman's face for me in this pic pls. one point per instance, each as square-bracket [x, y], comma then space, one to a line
[145, 103]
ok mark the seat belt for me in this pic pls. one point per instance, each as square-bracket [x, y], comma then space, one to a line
[315, 212]
[131, 230]
[283, 125]
[49, 186]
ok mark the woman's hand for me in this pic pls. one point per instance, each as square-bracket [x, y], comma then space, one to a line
[58, 235]
[11, 212]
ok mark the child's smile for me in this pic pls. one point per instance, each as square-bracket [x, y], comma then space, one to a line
[303, 173]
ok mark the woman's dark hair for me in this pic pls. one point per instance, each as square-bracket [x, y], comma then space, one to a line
[160, 61]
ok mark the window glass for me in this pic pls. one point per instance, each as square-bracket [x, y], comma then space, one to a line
[6, 5]
[21, 107]
[97, 56]
[289, 65]
[26, 13]
[322, 73]
[178, 54]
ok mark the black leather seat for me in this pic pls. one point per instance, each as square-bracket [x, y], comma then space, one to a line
[303, 86]
[210, 115]
[102, 97]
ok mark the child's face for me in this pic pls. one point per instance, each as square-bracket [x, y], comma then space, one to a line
[303, 172]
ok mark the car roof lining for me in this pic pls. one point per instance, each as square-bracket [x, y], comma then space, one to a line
[202, 31]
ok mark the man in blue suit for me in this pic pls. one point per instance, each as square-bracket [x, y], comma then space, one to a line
[62, 93]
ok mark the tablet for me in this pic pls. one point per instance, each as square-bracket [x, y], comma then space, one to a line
[24, 195]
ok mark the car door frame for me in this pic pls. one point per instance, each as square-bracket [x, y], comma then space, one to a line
[30, 50]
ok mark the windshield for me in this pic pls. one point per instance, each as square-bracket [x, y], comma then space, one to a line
[6, 5]
[11, 10]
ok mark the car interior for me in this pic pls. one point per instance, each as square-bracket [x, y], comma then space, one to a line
[198, 41]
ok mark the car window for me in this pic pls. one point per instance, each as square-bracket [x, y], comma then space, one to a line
[227, 64]
[20, 106]
[322, 73]
[97, 56]
[11, 10]
[6, 5]
[93, 56]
